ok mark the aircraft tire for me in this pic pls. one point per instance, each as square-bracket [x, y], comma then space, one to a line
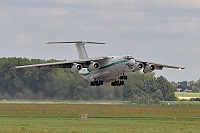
[125, 77]
[122, 82]
[92, 83]
[101, 82]
[112, 83]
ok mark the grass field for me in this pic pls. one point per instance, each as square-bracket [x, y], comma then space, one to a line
[186, 95]
[51, 117]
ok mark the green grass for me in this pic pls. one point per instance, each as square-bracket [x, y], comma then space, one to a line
[186, 94]
[49, 118]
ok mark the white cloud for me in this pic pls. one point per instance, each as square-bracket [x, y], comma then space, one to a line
[184, 4]
[117, 16]
[58, 12]
[39, 12]
[177, 25]
[48, 11]
[135, 4]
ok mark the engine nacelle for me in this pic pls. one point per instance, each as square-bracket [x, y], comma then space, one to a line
[138, 66]
[149, 68]
[93, 66]
[76, 68]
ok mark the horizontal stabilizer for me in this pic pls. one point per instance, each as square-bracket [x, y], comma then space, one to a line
[80, 47]
[78, 42]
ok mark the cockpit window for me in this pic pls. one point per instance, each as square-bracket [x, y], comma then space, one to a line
[128, 57]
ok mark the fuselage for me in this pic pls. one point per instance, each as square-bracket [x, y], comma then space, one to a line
[110, 69]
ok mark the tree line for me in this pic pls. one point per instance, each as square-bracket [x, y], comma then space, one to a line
[60, 84]
[196, 86]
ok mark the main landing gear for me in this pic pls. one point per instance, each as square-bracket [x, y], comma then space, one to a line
[96, 83]
[120, 81]
[117, 83]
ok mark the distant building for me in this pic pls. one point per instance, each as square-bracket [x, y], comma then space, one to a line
[183, 83]
[189, 83]
[187, 90]
[178, 86]
[174, 84]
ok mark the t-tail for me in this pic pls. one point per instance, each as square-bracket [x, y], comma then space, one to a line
[80, 45]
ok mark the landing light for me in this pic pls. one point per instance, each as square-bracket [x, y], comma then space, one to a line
[180, 68]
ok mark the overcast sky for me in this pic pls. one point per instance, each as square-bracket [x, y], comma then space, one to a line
[160, 31]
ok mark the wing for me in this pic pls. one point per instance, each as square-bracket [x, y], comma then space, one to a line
[63, 64]
[160, 66]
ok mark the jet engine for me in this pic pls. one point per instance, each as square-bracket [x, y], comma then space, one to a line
[149, 68]
[76, 68]
[93, 66]
[138, 66]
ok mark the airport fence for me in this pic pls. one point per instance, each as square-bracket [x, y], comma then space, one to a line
[107, 102]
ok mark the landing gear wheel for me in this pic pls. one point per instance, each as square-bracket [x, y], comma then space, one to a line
[121, 77]
[96, 83]
[125, 77]
[122, 82]
[101, 82]
[92, 83]
[113, 83]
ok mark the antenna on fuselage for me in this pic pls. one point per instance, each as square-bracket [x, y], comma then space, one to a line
[80, 47]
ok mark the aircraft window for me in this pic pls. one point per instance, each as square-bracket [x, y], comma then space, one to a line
[127, 57]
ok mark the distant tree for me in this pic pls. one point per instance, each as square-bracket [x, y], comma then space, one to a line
[196, 86]
[195, 90]
[166, 89]
[198, 83]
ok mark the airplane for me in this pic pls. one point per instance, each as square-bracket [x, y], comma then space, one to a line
[100, 70]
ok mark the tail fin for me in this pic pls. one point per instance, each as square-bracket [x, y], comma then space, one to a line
[80, 47]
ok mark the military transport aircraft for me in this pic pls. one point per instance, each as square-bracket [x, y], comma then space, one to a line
[102, 69]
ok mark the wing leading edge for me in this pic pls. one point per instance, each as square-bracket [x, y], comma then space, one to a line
[63, 64]
[161, 66]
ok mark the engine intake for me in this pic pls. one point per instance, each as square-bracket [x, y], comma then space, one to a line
[149, 68]
[93, 66]
[76, 68]
[138, 66]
